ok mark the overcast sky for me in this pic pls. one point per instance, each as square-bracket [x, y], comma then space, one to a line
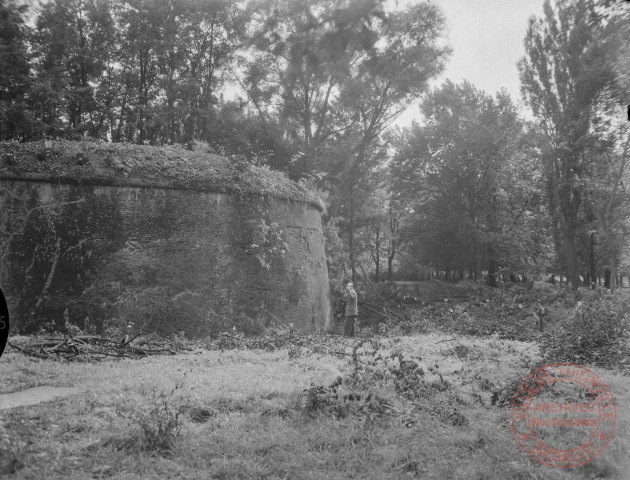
[487, 41]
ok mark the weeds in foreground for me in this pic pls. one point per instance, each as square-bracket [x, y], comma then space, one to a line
[159, 421]
[382, 384]
[10, 451]
[412, 424]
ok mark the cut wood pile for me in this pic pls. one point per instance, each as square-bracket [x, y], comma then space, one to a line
[91, 347]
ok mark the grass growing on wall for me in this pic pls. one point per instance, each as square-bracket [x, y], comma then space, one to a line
[200, 168]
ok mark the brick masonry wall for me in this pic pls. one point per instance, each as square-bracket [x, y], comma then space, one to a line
[166, 260]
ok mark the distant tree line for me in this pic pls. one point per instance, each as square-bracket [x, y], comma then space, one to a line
[312, 87]
[485, 189]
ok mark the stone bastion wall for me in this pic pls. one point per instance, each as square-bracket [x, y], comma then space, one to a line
[165, 259]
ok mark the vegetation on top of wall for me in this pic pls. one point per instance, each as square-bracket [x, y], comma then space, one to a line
[169, 165]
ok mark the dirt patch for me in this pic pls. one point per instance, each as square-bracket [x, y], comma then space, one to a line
[35, 395]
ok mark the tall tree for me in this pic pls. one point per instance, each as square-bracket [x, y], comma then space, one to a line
[103, 40]
[336, 75]
[70, 48]
[611, 196]
[405, 55]
[14, 69]
[145, 26]
[563, 70]
[607, 194]
[301, 52]
[468, 174]
[199, 41]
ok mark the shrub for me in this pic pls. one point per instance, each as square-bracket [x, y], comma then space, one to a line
[331, 400]
[597, 333]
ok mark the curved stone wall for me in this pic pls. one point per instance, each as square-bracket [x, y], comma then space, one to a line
[167, 260]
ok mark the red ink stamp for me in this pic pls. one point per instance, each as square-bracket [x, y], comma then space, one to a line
[563, 415]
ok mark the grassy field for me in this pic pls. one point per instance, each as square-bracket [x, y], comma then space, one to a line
[259, 414]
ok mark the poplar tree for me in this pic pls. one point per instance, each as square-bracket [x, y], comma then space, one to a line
[561, 74]
[14, 69]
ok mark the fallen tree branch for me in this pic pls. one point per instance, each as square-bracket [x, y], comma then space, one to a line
[385, 309]
[28, 351]
[372, 310]
[92, 347]
[368, 283]
[130, 340]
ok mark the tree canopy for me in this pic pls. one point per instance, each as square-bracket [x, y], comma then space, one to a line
[473, 188]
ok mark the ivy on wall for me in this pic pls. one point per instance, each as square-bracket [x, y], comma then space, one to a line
[52, 249]
[268, 242]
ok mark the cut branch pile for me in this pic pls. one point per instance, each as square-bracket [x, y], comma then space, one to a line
[90, 347]
[382, 310]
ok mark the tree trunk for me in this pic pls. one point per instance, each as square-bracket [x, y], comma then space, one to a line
[351, 237]
[1, 116]
[570, 254]
[493, 227]
[476, 260]
[377, 260]
[492, 268]
[394, 225]
[591, 261]
[613, 272]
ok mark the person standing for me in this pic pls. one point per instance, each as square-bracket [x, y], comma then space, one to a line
[352, 311]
